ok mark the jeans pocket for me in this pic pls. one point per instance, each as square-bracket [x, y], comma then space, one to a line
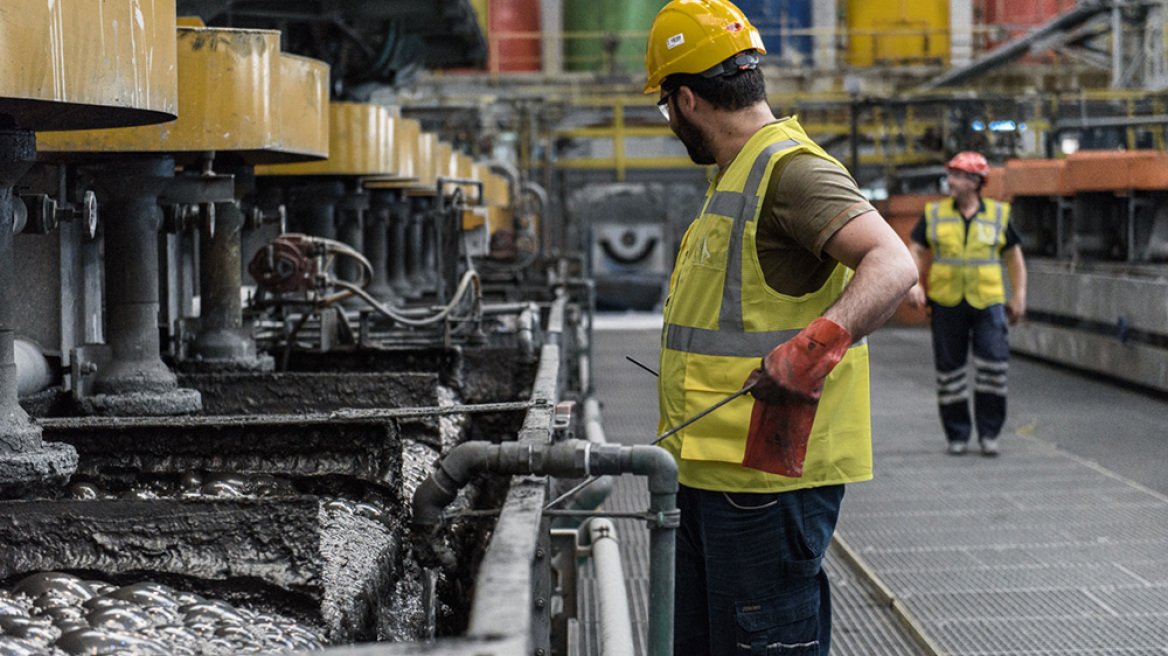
[777, 627]
[750, 500]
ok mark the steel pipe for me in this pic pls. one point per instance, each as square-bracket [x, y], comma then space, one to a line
[377, 225]
[222, 341]
[573, 458]
[33, 372]
[616, 627]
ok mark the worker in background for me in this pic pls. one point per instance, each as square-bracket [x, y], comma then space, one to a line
[959, 245]
[777, 282]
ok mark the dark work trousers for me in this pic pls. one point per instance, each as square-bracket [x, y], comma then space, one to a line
[750, 579]
[955, 331]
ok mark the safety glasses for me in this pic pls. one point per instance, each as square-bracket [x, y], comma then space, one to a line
[663, 104]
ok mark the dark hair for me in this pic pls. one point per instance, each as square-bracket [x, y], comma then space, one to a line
[732, 93]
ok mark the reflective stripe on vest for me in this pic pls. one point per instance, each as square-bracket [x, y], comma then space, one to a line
[720, 323]
[716, 342]
[746, 204]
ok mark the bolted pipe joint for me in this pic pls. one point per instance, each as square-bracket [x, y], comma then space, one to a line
[571, 458]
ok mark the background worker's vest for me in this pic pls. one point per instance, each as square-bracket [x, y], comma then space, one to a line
[966, 264]
[721, 318]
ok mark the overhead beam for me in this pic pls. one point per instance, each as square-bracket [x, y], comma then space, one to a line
[1016, 48]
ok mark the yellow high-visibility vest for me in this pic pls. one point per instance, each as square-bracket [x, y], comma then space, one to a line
[721, 318]
[967, 264]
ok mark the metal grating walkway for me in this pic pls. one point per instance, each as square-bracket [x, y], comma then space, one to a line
[1060, 546]
[1040, 551]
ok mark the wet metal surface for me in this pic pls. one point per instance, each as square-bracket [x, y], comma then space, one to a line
[59, 613]
[338, 562]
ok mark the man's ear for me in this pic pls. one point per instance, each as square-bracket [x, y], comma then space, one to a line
[685, 98]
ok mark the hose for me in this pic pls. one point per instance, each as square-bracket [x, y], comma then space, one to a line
[463, 286]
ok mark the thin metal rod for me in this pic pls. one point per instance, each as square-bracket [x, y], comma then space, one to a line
[746, 388]
[585, 483]
[640, 365]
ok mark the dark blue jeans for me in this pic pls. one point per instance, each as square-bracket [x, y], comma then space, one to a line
[749, 574]
[957, 331]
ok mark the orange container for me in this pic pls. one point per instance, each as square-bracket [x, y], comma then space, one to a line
[1117, 170]
[1036, 177]
[902, 213]
[995, 185]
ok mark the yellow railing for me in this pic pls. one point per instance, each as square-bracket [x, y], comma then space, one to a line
[892, 133]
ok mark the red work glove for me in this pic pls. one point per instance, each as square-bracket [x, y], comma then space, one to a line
[787, 390]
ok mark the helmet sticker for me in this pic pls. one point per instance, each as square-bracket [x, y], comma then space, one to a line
[674, 41]
[735, 27]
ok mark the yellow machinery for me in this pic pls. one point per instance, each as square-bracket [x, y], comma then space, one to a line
[63, 68]
[67, 67]
[242, 100]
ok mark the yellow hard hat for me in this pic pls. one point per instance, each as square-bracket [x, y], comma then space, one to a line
[693, 36]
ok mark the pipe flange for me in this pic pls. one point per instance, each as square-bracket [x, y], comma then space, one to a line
[258, 364]
[143, 404]
[51, 465]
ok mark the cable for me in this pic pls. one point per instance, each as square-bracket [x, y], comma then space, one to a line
[467, 278]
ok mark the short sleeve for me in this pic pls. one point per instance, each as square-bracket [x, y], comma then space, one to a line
[812, 199]
[1013, 238]
[920, 233]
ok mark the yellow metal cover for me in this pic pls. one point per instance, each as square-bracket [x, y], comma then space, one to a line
[445, 164]
[475, 217]
[411, 154]
[495, 189]
[360, 144]
[304, 113]
[480, 172]
[497, 201]
[431, 154]
[228, 93]
[405, 144]
[501, 219]
[69, 65]
[465, 171]
[898, 33]
[429, 162]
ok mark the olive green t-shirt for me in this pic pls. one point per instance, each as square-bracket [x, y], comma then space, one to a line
[807, 200]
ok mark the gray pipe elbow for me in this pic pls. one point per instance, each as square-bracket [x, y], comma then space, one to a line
[452, 472]
[659, 465]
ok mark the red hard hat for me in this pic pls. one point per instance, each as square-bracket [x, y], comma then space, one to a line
[970, 162]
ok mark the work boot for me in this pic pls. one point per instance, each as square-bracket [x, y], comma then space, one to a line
[989, 447]
[958, 447]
